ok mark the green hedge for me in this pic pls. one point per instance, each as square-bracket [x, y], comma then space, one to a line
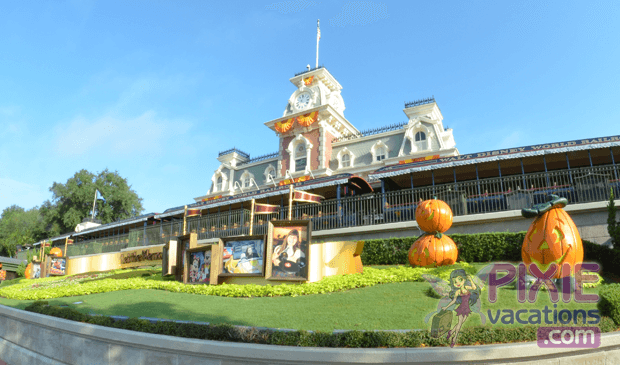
[480, 247]
[609, 301]
[352, 339]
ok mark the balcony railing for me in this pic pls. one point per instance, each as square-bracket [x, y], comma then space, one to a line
[581, 185]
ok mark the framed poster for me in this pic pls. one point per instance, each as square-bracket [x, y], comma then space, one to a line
[288, 250]
[36, 270]
[198, 265]
[58, 266]
[243, 255]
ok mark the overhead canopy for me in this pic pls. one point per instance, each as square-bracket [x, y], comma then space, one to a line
[359, 185]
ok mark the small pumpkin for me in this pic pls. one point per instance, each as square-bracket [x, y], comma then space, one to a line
[433, 250]
[56, 251]
[28, 271]
[552, 237]
[434, 215]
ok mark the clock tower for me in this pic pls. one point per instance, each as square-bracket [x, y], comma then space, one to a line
[313, 117]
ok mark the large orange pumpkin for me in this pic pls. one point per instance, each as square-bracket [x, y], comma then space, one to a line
[434, 216]
[433, 250]
[552, 238]
[56, 251]
[28, 271]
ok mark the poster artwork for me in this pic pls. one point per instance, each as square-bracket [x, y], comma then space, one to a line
[200, 267]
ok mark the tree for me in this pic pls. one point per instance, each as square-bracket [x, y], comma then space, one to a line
[18, 227]
[613, 227]
[73, 201]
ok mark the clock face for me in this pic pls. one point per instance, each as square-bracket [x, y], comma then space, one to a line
[303, 100]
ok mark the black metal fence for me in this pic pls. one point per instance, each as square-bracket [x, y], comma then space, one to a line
[581, 185]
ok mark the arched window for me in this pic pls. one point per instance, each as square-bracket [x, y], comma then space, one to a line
[246, 182]
[420, 141]
[219, 184]
[270, 171]
[346, 160]
[300, 157]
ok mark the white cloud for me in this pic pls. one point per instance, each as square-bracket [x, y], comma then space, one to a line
[22, 194]
[141, 135]
[514, 139]
[360, 13]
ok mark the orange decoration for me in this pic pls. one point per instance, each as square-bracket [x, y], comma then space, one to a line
[56, 251]
[553, 238]
[308, 80]
[434, 216]
[28, 271]
[307, 119]
[284, 125]
[433, 250]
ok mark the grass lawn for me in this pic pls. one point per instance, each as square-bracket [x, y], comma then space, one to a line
[386, 306]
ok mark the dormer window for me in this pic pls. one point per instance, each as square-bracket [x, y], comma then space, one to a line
[219, 184]
[345, 158]
[300, 157]
[246, 182]
[379, 152]
[380, 155]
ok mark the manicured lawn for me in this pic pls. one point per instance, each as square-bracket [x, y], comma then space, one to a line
[386, 306]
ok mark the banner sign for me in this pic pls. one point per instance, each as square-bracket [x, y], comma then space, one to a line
[302, 196]
[393, 170]
[193, 212]
[142, 257]
[265, 208]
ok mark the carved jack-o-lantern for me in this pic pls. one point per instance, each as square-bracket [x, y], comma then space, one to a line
[433, 250]
[434, 216]
[552, 237]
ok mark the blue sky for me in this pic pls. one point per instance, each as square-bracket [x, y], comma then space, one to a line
[154, 89]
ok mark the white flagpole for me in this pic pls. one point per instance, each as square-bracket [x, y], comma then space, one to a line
[318, 36]
[94, 200]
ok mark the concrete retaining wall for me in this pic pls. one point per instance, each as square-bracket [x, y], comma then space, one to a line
[30, 338]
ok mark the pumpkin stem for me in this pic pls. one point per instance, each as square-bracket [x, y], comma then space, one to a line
[438, 234]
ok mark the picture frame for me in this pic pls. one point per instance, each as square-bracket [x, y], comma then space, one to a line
[201, 265]
[57, 266]
[184, 243]
[242, 255]
[288, 258]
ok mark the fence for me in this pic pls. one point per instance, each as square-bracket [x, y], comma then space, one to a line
[581, 185]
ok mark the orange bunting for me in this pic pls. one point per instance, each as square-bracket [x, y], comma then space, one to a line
[295, 180]
[307, 119]
[420, 159]
[308, 80]
[285, 125]
[212, 198]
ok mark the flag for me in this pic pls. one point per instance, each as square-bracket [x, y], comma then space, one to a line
[98, 195]
[265, 208]
[302, 196]
[193, 212]
[318, 30]
[69, 241]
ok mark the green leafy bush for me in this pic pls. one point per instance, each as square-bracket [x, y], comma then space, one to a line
[609, 302]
